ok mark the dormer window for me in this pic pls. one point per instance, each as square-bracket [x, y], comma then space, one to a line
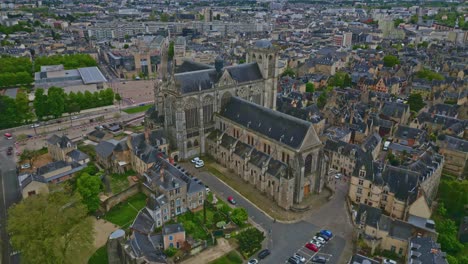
[362, 173]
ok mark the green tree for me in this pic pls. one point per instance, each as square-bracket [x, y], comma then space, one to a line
[29, 155]
[89, 188]
[170, 52]
[415, 102]
[56, 101]
[322, 100]
[310, 88]
[429, 75]
[451, 259]
[125, 46]
[390, 60]
[164, 17]
[40, 104]
[24, 111]
[398, 21]
[239, 216]
[347, 81]
[8, 112]
[414, 19]
[170, 252]
[250, 241]
[289, 72]
[51, 228]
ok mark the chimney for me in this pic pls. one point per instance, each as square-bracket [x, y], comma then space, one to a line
[219, 65]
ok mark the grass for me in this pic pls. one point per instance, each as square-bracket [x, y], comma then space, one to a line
[125, 212]
[137, 109]
[119, 182]
[99, 257]
[230, 258]
[88, 149]
[193, 224]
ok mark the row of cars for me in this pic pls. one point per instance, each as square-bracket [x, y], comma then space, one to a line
[317, 242]
[261, 255]
[199, 163]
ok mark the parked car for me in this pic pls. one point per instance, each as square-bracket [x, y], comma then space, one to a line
[253, 261]
[327, 233]
[9, 152]
[207, 189]
[319, 239]
[35, 125]
[74, 117]
[231, 200]
[299, 257]
[318, 244]
[199, 164]
[195, 160]
[8, 136]
[25, 166]
[326, 238]
[319, 259]
[10, 148]
[312, 247]
[338, 176]
[264, 253]
[293, 260]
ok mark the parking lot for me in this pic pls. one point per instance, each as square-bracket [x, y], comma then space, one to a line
[327, 251]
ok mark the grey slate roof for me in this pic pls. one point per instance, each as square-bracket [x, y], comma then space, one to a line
[172, 229]
[455, 143]
[189, 82]
[359, 259]
[263, 43]
[246, 72]
[424, 250]
[277, 168]
[370, 215]
[143, 223]
[242, 149]
[272, 124]
[77, 155]
[62, 141]
[257, 158]
[142, 244]
[190, 66]
[406, 133]
[51, 167]
[394, 109]
[402, 182]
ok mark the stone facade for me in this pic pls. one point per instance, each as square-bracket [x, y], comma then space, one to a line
[186, 99]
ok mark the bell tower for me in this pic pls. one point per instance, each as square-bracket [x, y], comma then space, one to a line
[266, 56]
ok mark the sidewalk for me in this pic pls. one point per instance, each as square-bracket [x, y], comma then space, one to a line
[261, 201]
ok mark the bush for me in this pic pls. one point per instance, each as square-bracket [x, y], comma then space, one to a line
[250, 241]
[239, 216]
[170, 252]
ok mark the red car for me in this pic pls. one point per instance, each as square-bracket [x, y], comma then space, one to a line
[231, 200]
[311, 247]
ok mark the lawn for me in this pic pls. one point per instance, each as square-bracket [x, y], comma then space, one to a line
[119, 182]
[193, 224]
[125, 212]
[230, 258]
[99, 257]
[137, 109]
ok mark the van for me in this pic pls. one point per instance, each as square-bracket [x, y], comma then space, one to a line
[386, 145]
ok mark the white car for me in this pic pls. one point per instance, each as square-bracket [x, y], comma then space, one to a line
[74, 117]
[299, 257]
[253, 261]
[319, 239]
[25, 166]
[195, 160]
[338, 175]
[199, 164]
[34, 125]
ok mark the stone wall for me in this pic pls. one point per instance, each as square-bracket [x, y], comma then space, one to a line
[120, 197]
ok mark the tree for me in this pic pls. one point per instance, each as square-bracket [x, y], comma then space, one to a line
[288, 72]
[29, 155]
[390, 60]
[415, 102]
[8, 112]
[429, 75]
[398, 21]
[89, 188]
[322, 100]
[125, 46]
[40, 104]
[250, 241]
[239, 216]
[51, 228]
[170, 52]
[22, 107]
[164, 17]
[56, 101]
[310, 88]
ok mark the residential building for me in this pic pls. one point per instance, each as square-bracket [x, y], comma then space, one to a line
[455, 151]
[425, 250]
[113, 155]
[398, 191]
[173, 236]
[58, 171]
[360, 259]
[343, 39]
[279, 154]
[58, 147]
[30, 185]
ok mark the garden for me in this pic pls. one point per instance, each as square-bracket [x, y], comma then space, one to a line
[125, 212]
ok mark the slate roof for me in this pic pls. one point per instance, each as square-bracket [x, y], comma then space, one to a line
[143, 246]
[370, 215]
[445, 121]
[405, 133]
[263, 43]
[143, 222]
[77, 155]
[371, 142]
[195, 81]
[402, 182]
[143, 150]
[97, 134]
[191, 66]
[154, 203]
[62, 141]
[105, 148]
[172, 229]
[424, 250]
[242, 149]
[359, 259]
[394, 109]
[227, 141]
[455, 143]
[246, 72]
[257, 158]
[52, 167]
[277, 168]
[272, 124]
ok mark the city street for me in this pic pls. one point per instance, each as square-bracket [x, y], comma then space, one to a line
[285, 239]
[10, 194]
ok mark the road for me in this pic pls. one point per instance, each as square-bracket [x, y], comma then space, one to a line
[284, 239]
[10, 194]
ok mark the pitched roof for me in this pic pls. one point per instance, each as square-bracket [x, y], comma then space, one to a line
[272, 124]
[424, 250]
[77, 155]
[370, 215]
[189, 82]
[62, 141]
[246, 72]
[172, 229]
[190, 66]
[143, 223]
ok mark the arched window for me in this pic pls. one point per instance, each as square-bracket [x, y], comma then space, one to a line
[195, 143]
[308, 164]
[191, 114]
[207, 109]
[225, 98]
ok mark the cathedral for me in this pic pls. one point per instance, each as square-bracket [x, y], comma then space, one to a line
[229, 113]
